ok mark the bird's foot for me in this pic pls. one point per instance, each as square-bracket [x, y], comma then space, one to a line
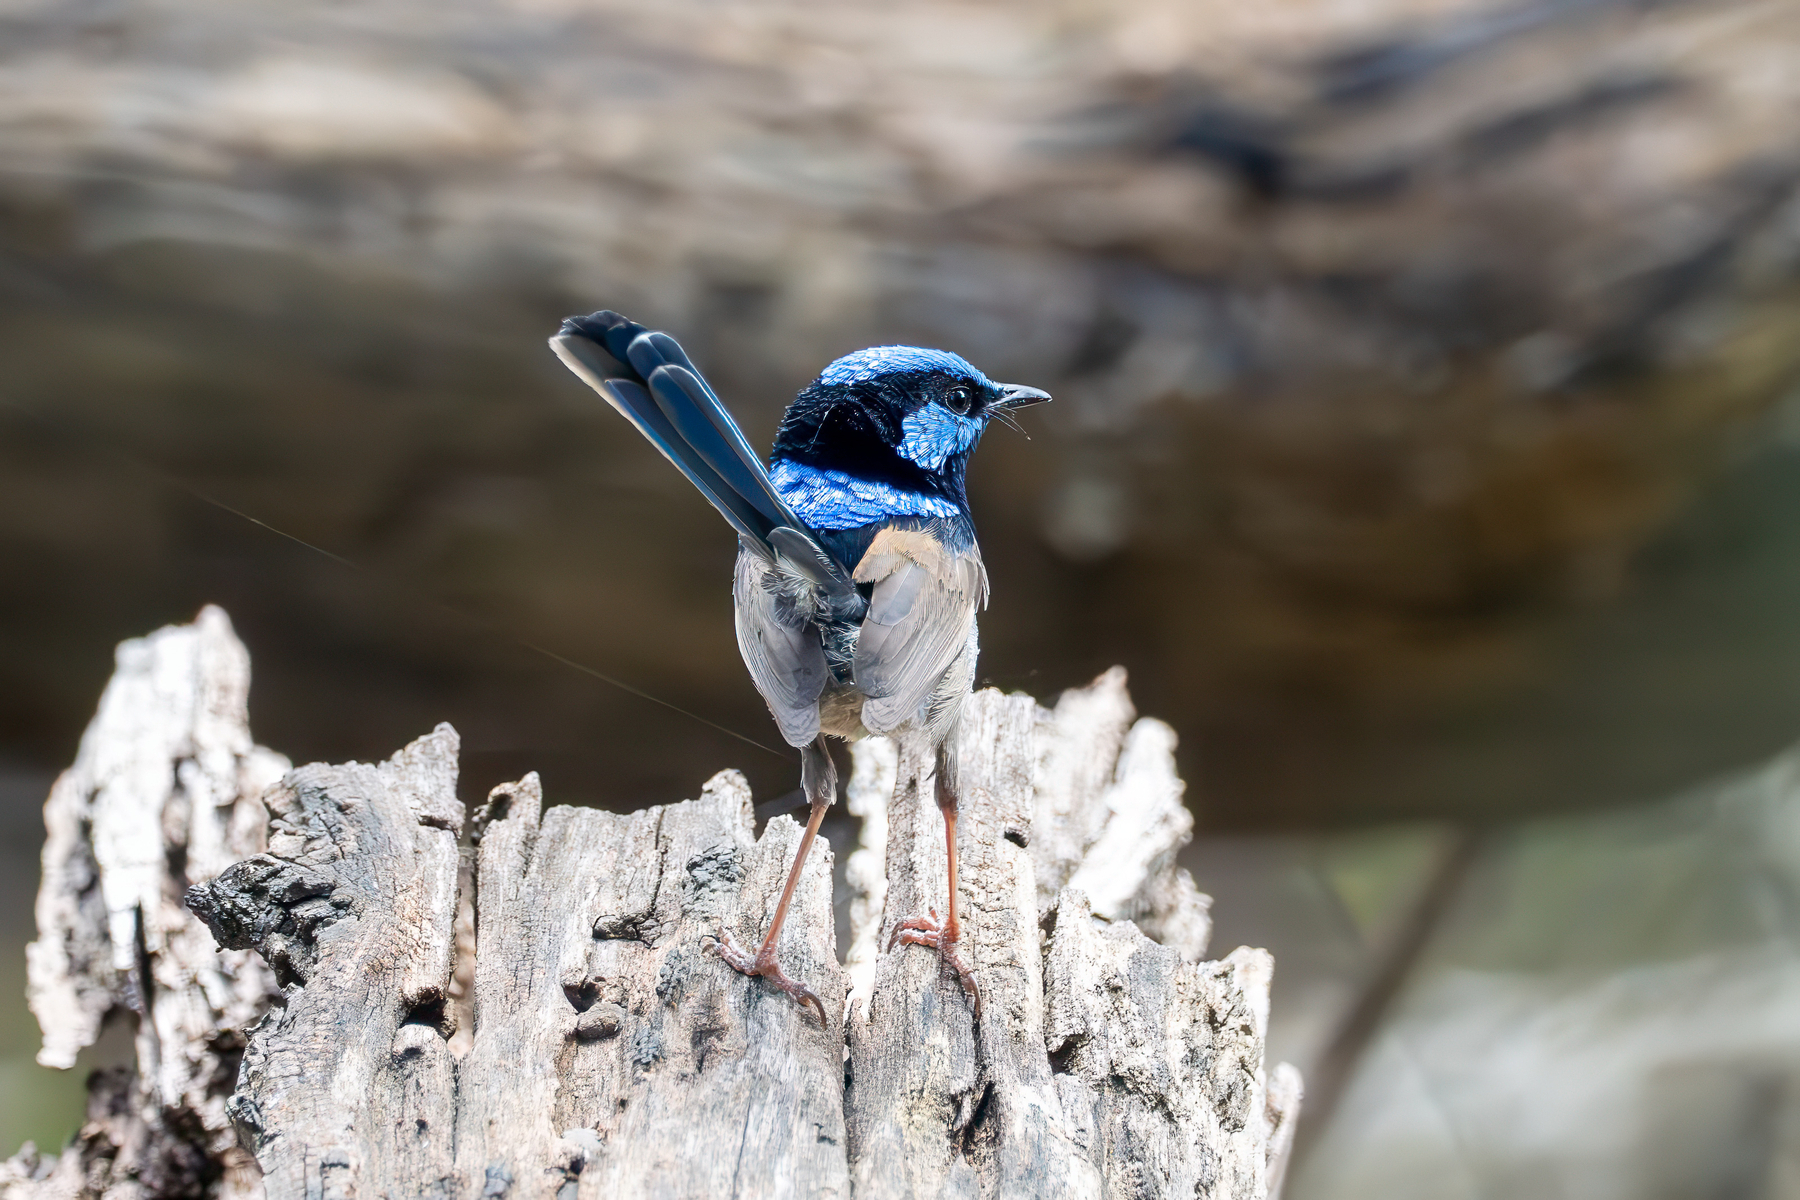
[763, 963]
[943, 937]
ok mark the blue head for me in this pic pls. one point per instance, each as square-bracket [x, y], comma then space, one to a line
[887, 431]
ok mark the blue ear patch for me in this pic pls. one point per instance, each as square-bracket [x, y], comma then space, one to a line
[868, 365]
[933, 433]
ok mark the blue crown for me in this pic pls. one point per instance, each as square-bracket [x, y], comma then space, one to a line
[876, 361]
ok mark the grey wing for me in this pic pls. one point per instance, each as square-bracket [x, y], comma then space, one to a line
[921, 618]
[784, 653]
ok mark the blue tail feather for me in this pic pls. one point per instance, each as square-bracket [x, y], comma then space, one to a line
[724, 446]
[635, 403]
[672, 405]
[673, 389]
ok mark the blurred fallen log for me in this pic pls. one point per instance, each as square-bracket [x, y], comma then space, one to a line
[610, 1053]
[1376, 329]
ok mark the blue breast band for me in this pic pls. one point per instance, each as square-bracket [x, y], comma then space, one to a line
[827, 499]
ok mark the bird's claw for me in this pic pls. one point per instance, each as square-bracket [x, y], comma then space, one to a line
[929, 931]
[763, 963]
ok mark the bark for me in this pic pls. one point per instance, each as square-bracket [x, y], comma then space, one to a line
[1109, 815]
[611, 1053]
[164, 792]
[1104, 1064]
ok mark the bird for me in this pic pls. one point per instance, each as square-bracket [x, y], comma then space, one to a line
[858, 574]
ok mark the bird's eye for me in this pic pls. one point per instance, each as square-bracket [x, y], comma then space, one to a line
[957, 400]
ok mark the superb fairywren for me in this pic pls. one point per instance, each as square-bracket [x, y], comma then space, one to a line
[858, 575]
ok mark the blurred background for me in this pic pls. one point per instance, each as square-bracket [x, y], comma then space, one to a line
[1425, 444]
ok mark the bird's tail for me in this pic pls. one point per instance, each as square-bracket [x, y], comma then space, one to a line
[647, 376]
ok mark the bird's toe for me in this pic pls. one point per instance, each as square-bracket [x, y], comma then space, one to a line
[939, 936]
[763, 964]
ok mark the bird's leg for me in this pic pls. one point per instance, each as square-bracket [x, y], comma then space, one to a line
[943, 936]
[818, 778]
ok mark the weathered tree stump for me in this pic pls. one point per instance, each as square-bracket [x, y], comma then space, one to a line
[611, 1053]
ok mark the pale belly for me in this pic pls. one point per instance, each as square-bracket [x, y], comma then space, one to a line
[840, 708]
[840, 713]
